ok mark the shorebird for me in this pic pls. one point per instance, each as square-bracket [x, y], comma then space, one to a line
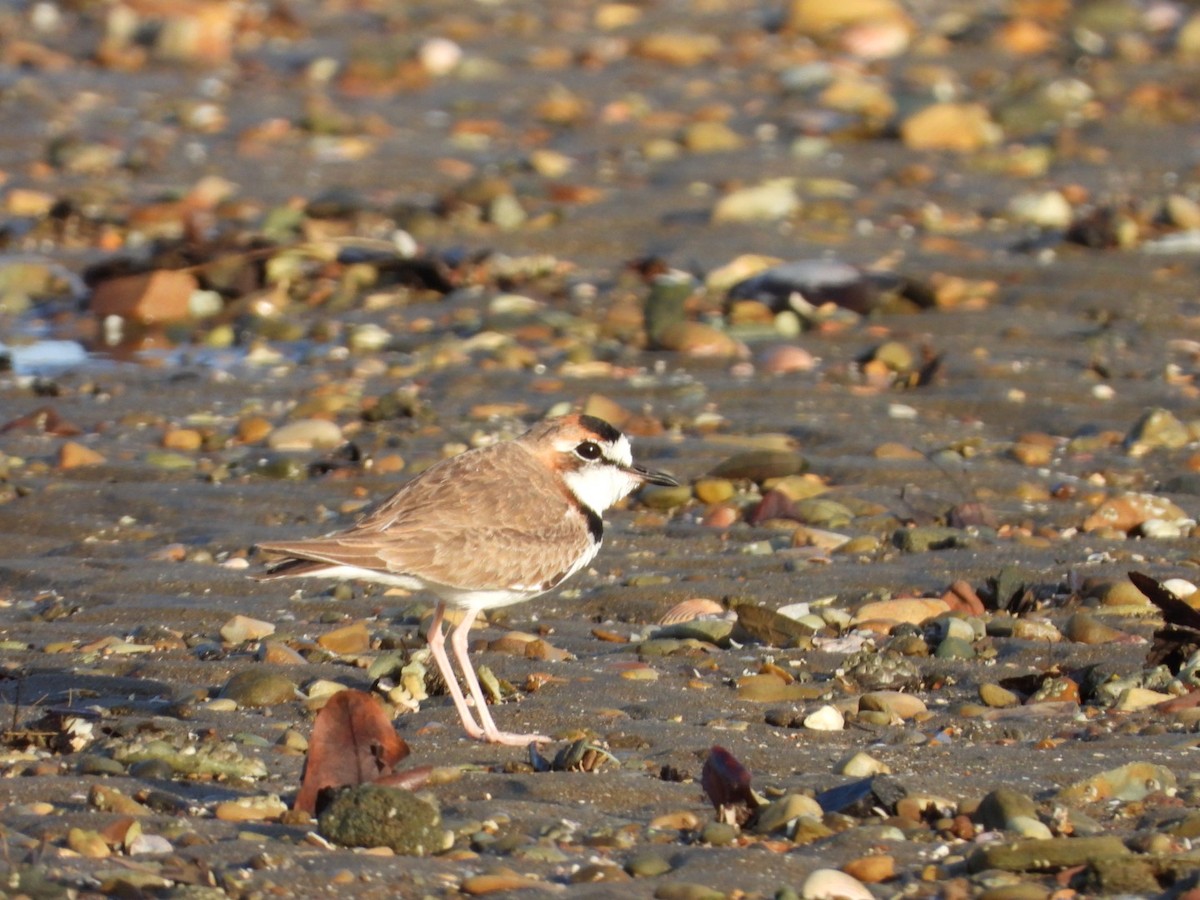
[490, 527]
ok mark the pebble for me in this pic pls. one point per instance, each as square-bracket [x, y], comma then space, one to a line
[954, 648]
[349, 639]
[251, 809]
[1130, 782]
[872, 869]
[241, 629]
[778, 815]
[959, 127]
[1157, 429]
[369, 815]
[862, 765]
[647, 864]
[912, 611]
[153, 298]
[760, 465]
[827, 718]
[685, 890]
[1083, 628]
[306, 434]
[896, 703]
[832, 884]
[73, 455]
[257, 688]
[87, 843]
[997, 697]
[767, 202]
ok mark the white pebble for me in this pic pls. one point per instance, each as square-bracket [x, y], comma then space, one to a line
[828, 884]
[827, 718]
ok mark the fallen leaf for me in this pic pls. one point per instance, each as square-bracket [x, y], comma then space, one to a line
[353, 742]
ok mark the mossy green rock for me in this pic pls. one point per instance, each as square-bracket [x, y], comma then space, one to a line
[372, 815]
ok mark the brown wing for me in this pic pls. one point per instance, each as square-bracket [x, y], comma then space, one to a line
[488, 519]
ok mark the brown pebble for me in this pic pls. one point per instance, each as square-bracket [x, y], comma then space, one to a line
[871, 869]
[353, 638]
[73, 455]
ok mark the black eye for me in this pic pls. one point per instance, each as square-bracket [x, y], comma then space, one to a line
[588, 450]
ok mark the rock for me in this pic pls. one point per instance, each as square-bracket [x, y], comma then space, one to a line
[87, 843]
[241, 629]
[647, 863]
[820, 19]
[913, 611]
[349, 639]
[1052, 854]
[924, 538]
[760, 465]
[778, 815]
[711, 137]
[439, 56]
[1157, 429]
[895, 703]
[999, 807]
[1128, 512]
[306, 434]
[1045, 209]
[153, 298]
[862, 765]
[872, 869]
[766, 202]
[827, 718]
[678, 48]
[997, 697]
[1133, 781]
[1083, 628]
[786, 359]
[832, 884]
[257, 688]
[1136, 698]
[960, 127]
[954, 648]
[369, 815]
[268, 808]
[73, 455]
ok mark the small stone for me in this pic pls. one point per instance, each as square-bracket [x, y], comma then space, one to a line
[787, 359]
[872, 869]
[1083, 628]
[439, 56]
[678, 48]
[1157, 429]
[895, 703]
[827, 718]
[997, 697]
[912, 611]
[349, 639]
[832, 884]
[1127, 512]
[184, 439]
[778, 815]
[999, 807]
[647, 864]
[251, 809]
[1136, 698]
[241, 629]
[719, 834]
[959, 127]
[925, 538]
[256, 688]
[862, 765]
[770, 201]
[657, 496]
[954, 648]
[87, 843]
[1131, 782]
[1045, 209]
[760, 465]
[252, 429]
[713, 490]
[711, 137]
[369, 815]
[306, 434]
[73, 455]
[152, 298]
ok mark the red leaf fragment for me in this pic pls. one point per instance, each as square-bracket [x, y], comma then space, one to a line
[353, 742]
[727, 784]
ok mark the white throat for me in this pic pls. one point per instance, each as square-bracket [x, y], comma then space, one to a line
[600, 486]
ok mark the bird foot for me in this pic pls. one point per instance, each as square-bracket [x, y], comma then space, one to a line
[513, 740]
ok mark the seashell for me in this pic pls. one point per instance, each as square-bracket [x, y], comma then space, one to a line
[688, 610]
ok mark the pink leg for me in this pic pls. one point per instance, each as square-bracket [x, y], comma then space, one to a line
[437, 646]
[491, 734]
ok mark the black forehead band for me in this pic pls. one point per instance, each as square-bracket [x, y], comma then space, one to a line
[600, 428]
